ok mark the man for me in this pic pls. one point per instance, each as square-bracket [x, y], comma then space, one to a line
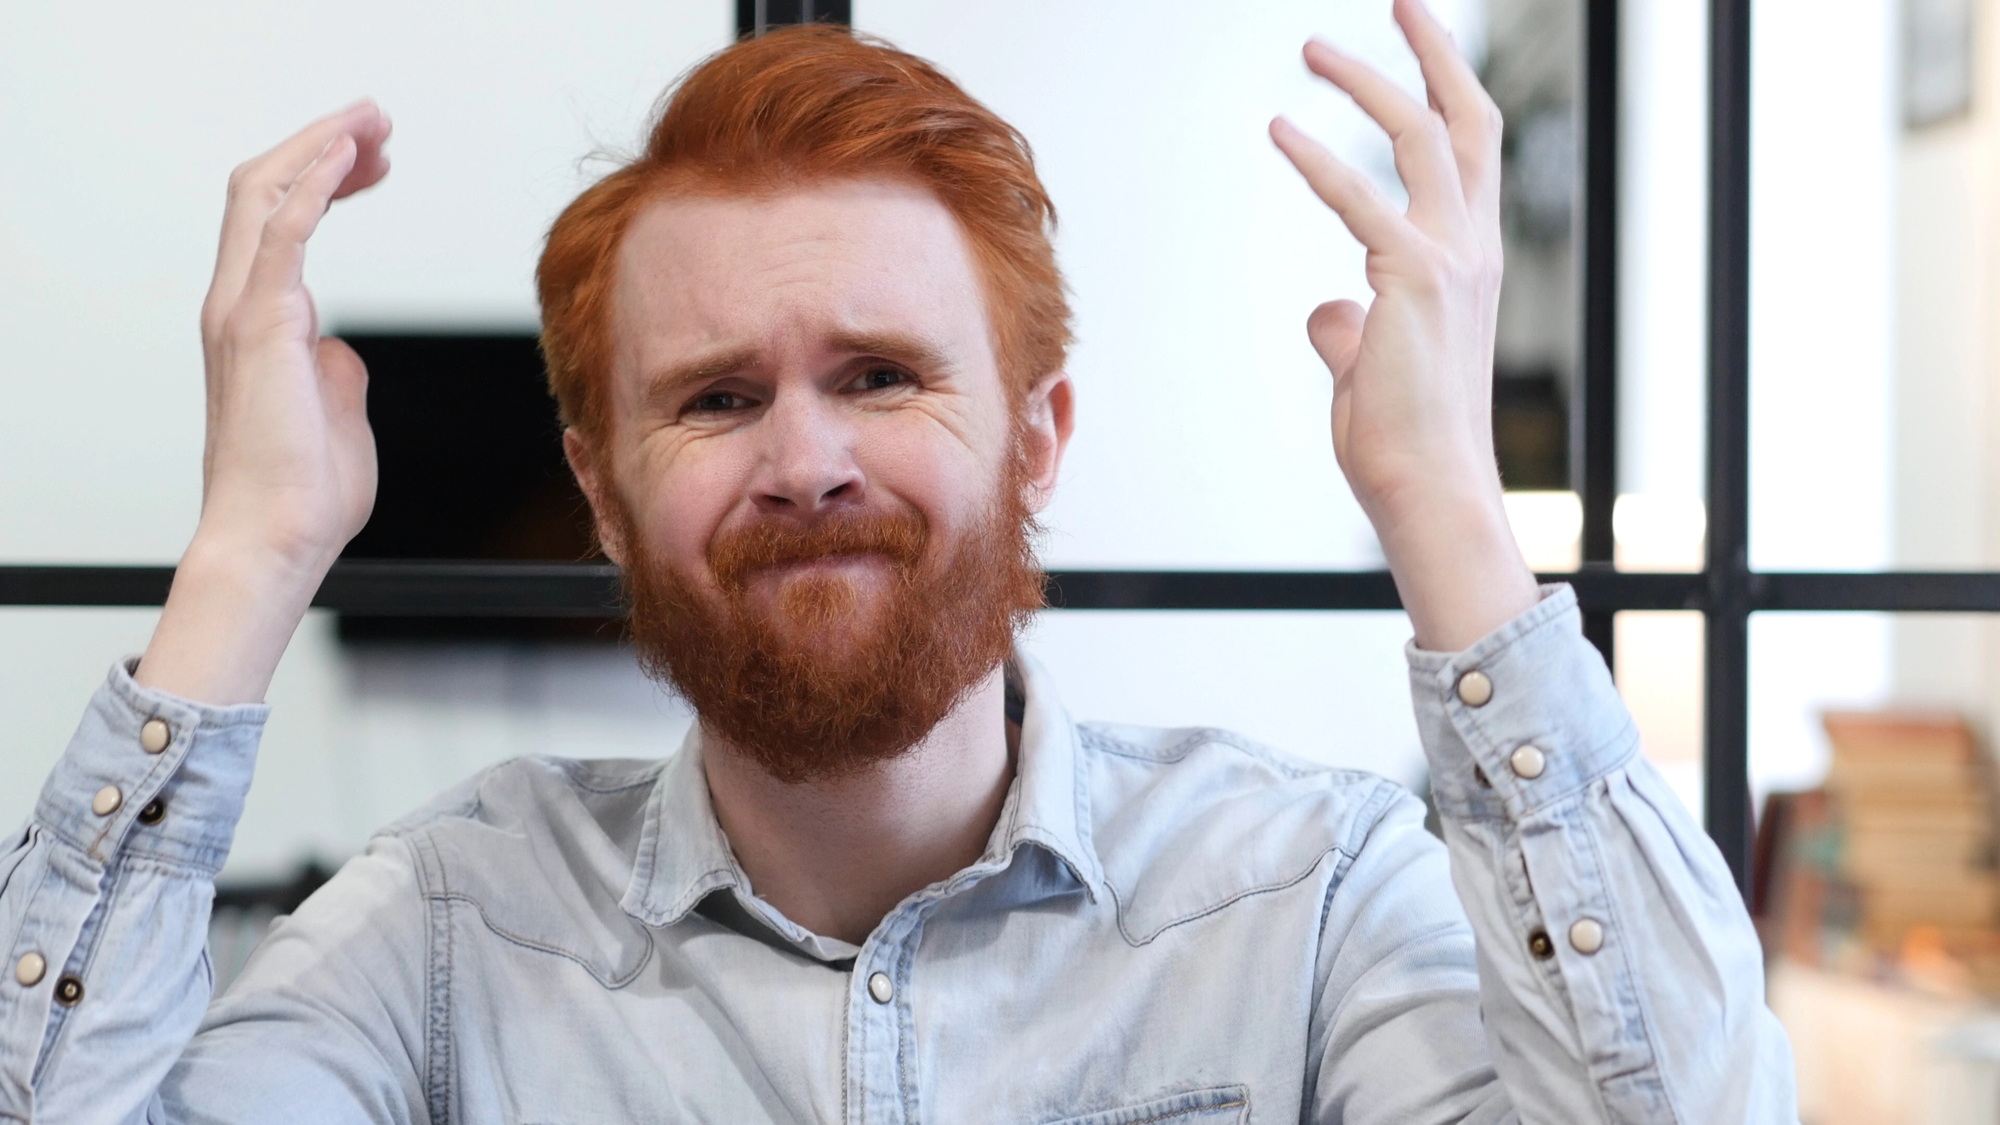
[808, 350]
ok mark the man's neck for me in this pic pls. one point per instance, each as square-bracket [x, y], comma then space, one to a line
[835, 856]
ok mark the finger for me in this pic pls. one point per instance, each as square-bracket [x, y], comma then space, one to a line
[279, 265]
[258, 186]
[1369, 215]
[1335, 331]
[1422, 146]
[1455, 92]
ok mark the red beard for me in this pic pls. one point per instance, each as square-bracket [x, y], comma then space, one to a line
[822, 685]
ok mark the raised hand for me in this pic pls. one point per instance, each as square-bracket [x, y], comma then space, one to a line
[288, 467]
[1413, 373]
[289, 463]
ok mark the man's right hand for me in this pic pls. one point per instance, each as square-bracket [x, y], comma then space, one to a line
[288, 467]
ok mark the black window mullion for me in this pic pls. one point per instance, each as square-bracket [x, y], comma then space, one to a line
[1594, 411]
[1725, 754]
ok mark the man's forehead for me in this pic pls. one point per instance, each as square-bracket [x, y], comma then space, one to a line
[852, 257]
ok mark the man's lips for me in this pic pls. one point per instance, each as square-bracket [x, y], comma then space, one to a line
[824, 564]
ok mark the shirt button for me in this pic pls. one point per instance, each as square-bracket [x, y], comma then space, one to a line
[29, 969]
[1474, 689]
[69, 991]
[1586, 936]
[880, 988]
[1540, 945]
[154, 736]
[107, 801]
[153, 811]
[1528, 762]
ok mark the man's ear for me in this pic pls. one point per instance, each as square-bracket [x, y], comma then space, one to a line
[1047, 417]
[582, 462]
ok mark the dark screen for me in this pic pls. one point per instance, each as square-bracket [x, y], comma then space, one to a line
[470, 451]
[472, 469]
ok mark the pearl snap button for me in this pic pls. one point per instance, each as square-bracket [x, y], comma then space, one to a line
[1474, 689]
[154, 736]
[29, 969]
[1528, 762]
[1586, 936]
[107, 801]
[880, 988]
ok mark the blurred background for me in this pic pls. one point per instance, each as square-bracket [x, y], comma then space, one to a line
[1194, 255]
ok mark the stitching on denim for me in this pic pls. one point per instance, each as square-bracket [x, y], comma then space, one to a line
[58, 1015]
[700, 888]
[1268, 756]
[437, 1056]
[1242, 1102]
[162, 761]
[1239, 1103]
[575, 771]
[544, 947]
[1627, 733]
[1630, 974]
[1136, 942]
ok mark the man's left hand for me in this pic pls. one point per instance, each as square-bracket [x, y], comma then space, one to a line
[1413, 373]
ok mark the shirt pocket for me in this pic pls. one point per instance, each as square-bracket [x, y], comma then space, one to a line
[1212, 1106]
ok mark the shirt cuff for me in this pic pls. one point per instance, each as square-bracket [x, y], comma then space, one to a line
[99, 798]
[1525, 718]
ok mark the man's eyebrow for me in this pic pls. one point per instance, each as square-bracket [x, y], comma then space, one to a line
[672, 379]
[905, 348]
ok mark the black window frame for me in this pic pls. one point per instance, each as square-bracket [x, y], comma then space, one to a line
[1726, 591]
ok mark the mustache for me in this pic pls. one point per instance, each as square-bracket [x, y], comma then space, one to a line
[737, 554]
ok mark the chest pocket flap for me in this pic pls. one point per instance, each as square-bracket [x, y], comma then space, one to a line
[1212, 1106]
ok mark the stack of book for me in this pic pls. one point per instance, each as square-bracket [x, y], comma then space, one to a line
[1910, 795]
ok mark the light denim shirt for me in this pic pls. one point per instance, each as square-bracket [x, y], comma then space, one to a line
[1168, 927]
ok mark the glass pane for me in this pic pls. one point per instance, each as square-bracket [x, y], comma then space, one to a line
[1659, 674]
[1662, 283]
[1330, 687]
[1878, 897]
[1872, 356]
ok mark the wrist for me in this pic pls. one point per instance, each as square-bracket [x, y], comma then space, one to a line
[270, 569]
[1457, 566]
[232, 610]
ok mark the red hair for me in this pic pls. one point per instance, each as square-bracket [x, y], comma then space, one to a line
[801, 104]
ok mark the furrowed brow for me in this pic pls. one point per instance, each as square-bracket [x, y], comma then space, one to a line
[670, 382]
[914, 351]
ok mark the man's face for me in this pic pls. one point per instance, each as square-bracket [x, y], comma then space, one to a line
[810, 438]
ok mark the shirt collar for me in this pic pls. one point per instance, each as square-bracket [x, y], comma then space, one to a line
[683, 855]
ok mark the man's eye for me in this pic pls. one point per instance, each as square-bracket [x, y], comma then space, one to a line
[876, 378]
[715, 402]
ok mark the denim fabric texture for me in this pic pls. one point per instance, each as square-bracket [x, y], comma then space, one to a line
[1167, 926]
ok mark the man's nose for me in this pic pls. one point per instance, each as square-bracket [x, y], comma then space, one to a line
[807, 465]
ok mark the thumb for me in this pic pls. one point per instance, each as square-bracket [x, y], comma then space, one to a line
[345, 376]
[1335, 331]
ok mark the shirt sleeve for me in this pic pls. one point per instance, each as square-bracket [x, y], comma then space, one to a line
[104, 902]
[1620, 978]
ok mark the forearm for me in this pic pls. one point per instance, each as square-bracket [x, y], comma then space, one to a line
[104, 903]
[1458, 570]
[232, 610]
[1618, 966]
